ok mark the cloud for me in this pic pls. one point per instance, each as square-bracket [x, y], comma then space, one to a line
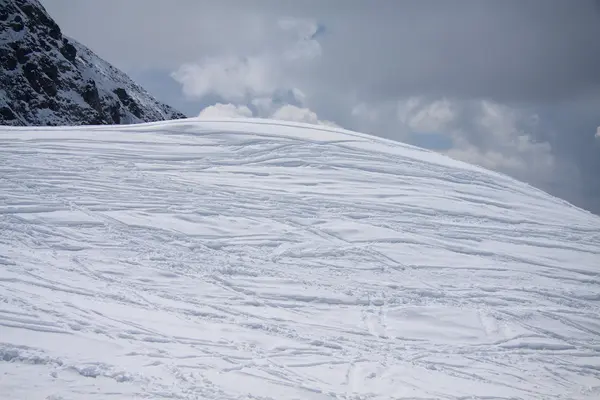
[297, 114]
[232, 78]
[492, 135]
[266, 106]
[539, 50]
[303, 32]
[482, 132]
[598, 132]
[220, 110]
[286, 112]
[431, 117]
[501, 138]
[262, 81]
[256, 74]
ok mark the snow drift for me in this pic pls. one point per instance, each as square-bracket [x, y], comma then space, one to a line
[250, 259]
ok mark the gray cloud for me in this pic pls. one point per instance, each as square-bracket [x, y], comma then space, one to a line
[534, 62]
[505, 50]
[512, 50]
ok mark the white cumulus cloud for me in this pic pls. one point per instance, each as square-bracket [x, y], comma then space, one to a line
[425, 117]
[254, 74]
[232, 78]
[289, 112]
[220, 110]
[286, 112]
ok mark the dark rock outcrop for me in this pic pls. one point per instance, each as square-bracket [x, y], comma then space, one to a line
[49, 79]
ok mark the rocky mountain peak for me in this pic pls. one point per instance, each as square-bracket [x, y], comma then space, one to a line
[47, 78]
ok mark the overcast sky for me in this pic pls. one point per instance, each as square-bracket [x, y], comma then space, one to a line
[513, 85]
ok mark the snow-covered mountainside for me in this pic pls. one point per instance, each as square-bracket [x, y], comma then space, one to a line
[49, 79]
[250, 259]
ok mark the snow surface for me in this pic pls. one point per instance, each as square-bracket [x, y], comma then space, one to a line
[250, 259]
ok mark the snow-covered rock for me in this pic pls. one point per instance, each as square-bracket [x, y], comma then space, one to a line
[253, 259]
[47, 78]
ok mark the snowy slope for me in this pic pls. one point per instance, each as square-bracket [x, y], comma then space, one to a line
[47, 78]
[251, 259]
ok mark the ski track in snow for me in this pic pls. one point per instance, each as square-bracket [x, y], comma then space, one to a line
[259, 260]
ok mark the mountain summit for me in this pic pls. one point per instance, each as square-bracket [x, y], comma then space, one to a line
[47, 78]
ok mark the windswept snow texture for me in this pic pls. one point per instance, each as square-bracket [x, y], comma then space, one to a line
[252, 259]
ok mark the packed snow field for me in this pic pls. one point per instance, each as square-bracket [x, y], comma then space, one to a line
[252, 259]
